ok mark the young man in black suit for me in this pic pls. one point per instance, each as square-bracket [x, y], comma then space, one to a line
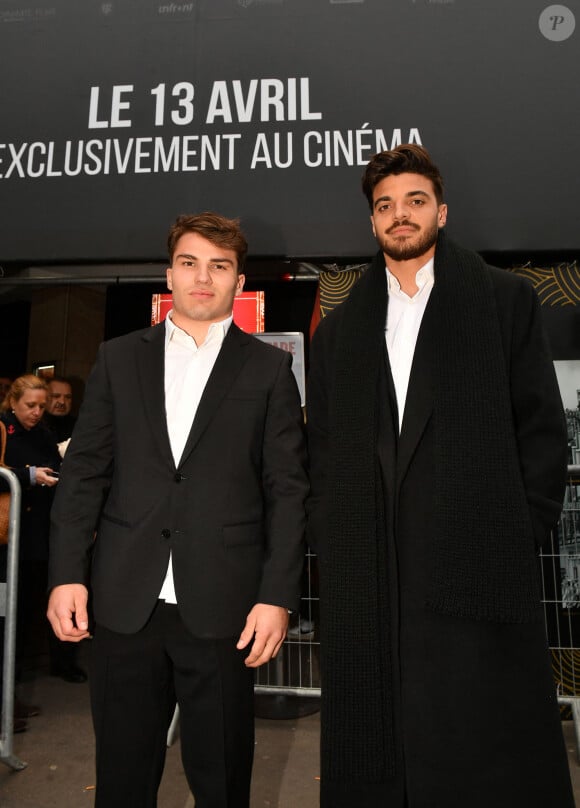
[438, 457]
[188, 466]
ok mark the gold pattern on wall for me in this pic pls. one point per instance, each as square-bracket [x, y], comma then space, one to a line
[566, 671]
[555, 286]
[335, 285]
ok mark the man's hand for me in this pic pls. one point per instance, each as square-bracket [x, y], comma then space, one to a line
[67, 612]
[267, 626]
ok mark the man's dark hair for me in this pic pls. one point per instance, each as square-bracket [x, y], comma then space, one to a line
[406, 159]
[59, 380]
[222, 232]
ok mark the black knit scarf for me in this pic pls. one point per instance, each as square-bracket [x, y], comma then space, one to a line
[483, 565]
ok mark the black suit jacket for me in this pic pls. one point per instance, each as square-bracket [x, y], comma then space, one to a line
[231, 512]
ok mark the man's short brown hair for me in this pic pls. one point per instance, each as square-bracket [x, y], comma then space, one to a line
[222, 232]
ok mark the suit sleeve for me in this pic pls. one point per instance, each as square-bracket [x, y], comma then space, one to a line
[538, 414]
[85, 478]
[285, 486]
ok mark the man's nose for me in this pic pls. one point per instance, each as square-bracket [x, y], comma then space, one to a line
[400, 211]
[203, 274]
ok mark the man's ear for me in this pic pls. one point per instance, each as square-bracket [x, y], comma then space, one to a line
[240, 285]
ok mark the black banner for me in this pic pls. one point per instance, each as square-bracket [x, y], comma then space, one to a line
[118, 115]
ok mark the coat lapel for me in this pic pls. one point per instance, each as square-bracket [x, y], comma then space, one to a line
[419, 401]
[228, 365]
[387, 428]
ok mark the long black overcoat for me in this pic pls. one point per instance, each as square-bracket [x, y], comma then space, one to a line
[476, 719]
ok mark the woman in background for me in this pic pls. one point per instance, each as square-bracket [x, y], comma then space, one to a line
[32, 454]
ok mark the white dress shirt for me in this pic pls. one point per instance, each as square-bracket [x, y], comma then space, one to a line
[404, 316]
[187, 369]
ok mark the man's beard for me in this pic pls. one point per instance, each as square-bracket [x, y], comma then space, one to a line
[405, 249]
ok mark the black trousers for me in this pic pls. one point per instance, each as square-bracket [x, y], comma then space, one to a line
[136, 680]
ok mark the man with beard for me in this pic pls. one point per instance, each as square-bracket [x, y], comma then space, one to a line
[58, 416]
[438, 457]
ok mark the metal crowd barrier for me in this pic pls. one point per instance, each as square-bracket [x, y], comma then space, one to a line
[296, 669]
[560, 564]
[8, 593]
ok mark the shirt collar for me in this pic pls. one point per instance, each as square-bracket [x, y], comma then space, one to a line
[425, 276]
[215, 331]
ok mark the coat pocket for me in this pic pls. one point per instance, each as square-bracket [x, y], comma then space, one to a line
[106, 517]
[249, 533]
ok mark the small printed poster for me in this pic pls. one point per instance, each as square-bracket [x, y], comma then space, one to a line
[248, 310]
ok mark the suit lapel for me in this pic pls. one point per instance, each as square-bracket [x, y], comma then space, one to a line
[419, 401]
[151, 372]
[228, 365]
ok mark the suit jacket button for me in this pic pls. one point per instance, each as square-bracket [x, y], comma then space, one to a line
[166, 533]
[178, 477]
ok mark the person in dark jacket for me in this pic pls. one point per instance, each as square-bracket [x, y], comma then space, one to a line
[438, 457]
[58, 417]
[32, 454]
[188, 463]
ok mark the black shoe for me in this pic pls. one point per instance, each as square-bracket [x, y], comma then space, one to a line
[25, 711]
[19, 725]
[70, 674]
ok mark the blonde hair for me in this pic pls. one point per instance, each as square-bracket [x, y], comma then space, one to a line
[19, 386]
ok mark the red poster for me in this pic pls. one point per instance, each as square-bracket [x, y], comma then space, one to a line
[248, 310]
